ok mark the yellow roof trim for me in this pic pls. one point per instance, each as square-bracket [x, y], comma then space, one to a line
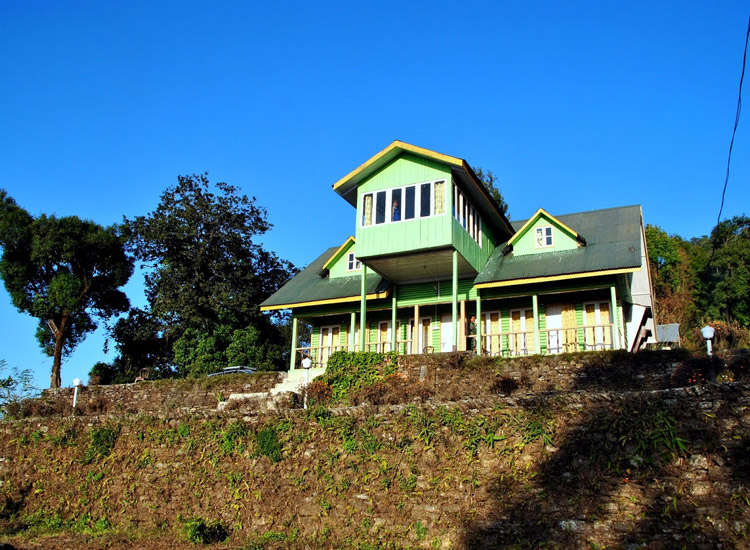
[538, 214]
[335, 255]
[556, 278]
[403, 147]
[373, 296]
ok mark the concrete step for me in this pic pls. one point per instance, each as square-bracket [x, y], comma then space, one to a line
[294, 380]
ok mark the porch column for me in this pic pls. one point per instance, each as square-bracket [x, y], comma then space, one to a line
[394, 336]
[417, 331]
[293, 357]
[615, 317]
[352, 330]
[363, 309]
[454, 301]
[462, 324]
[478, 339]
[535, 306]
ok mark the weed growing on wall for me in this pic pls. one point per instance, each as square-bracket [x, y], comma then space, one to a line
[201, 531]
[102, 442]
[268, 443]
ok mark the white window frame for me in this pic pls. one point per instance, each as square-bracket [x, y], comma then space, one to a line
[417, 203]
[352, 263]
[545, 237]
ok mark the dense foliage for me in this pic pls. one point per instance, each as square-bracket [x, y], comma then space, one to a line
[491, 182]
[704, 280]
[66, 272]
[206, 278]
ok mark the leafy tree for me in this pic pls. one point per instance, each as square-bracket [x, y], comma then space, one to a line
[726, 277]
[207, 275]
[142, 341]
[66, 272]
[16, 387]
[491, 182]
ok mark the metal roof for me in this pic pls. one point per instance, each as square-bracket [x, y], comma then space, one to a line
[308, 286]
[613, 237]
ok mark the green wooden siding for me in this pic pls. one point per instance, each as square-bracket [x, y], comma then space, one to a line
[468, 248]
[339, 267]
[406, 235]
[526, 243]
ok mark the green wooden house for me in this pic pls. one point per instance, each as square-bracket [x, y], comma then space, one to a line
[434, 266]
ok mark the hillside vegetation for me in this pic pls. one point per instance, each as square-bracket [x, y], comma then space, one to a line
[499, 460]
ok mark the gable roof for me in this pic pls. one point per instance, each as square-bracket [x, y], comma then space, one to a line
[460, 170]
[542, 213]
[308, 288]
[336, 255]
[613, 237]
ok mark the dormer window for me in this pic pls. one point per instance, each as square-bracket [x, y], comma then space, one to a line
[543, 237]
[353, 263]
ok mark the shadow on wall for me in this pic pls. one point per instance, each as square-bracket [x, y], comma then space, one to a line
[623, 473]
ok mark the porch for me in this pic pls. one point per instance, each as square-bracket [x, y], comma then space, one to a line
[494, 326]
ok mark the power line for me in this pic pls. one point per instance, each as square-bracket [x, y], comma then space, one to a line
[736, 122]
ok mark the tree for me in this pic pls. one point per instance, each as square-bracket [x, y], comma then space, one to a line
[66, 272]
[490, 182]
[16, 387]
[142, 341]
[725, 284]
[207, 275]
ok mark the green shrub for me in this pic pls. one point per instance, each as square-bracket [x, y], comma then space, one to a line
[348, 372]
[201, 531]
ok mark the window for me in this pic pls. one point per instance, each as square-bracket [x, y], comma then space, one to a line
[367, 210]
[396, 205]
[439, 188]
[404, 203]
[410, 196]
[543, 237]
[466, 215]
[380, 207]
[353, 263]
[424, 200]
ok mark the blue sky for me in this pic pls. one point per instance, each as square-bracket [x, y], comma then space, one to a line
[573, 105]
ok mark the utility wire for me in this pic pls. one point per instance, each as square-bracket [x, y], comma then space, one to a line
[736, 122]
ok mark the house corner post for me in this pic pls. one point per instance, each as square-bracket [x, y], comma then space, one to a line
[535, 306]
[454, 300]
[363, 309]
[293, 355]
[394, 335]
[352, 330]
[615, 317]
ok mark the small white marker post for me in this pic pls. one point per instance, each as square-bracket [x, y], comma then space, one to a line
[708, 334]
[76, 383]
[306, 364]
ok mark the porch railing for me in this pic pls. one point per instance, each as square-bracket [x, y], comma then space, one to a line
[558, 340]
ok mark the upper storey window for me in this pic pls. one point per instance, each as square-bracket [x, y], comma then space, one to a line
[404, 203]
[352, 263]
[466, 215]
[543, 237]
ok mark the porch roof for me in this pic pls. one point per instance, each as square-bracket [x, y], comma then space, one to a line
[309, 288]
[613, 238]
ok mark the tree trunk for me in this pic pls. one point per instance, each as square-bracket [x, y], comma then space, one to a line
[55, 380]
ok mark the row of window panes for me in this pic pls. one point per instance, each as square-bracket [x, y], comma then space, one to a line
[406, 203]
[466, 215]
